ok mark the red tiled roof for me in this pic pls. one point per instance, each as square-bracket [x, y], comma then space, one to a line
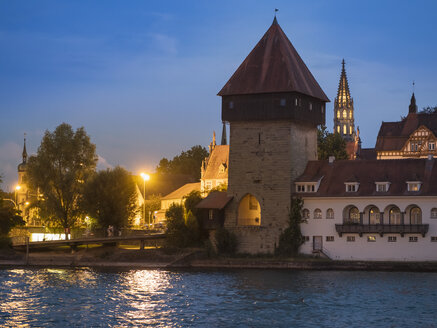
[273, 66]
[394, 135]
[367, 172]
[215, 200]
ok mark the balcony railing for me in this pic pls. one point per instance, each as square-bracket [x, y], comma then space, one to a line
[382, 228]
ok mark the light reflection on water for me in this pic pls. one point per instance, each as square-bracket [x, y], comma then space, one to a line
[237, 298]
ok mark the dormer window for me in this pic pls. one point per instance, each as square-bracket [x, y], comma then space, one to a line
[222, 168]
[382, 186]
[352, 186]
[414, 185]
[306, 187]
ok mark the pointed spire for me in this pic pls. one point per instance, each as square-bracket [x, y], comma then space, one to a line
[224, 137]
[343, 93]
[24, 150]
[413, 106]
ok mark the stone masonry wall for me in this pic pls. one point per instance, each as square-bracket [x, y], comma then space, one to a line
[264, 160]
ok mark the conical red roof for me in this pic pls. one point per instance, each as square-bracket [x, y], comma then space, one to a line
[273, 66]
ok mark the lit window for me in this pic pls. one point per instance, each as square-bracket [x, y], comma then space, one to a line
[317, 213]
[371, 239]
[350, 130]
[344, 113]
[391, 239]
[344, 129]
[374, 216]
[338, 128]
[208, 185]
[413, 239]
[211, 214]
[394, 216]
[413, 186]
[338, 114]
[350, 238]
[329, 238]
[434, 213]
[283, 102]
[350, 114]
[330, 213]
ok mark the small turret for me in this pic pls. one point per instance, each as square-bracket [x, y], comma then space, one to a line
[22, 166]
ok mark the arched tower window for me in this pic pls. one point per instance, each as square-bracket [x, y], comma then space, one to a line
[344, 113]
[350, 130]
[338, 114]
[416, 216]
[338, 128]
[249, 211]
[344, 129]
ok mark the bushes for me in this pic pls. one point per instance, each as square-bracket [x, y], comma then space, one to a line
[291, 238]
[225, 241]
[182, 230]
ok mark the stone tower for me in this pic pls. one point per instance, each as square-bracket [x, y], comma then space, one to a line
[273, 105]
[344, 109]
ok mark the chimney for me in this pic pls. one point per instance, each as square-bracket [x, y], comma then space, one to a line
[331, 159]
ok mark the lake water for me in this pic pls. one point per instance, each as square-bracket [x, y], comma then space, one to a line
[225, 298]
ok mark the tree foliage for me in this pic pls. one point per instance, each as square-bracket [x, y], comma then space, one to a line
[191, 200]
[9, 217]
[110, 197]
[291, 238]
[182, 227]
[330, 144]
[188, 162]
[429, 110]
[64, 161]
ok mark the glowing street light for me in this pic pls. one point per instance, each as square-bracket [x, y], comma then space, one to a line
[145, 177]
[17, 188]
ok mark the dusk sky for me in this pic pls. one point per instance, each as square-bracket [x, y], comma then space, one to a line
[142, 76]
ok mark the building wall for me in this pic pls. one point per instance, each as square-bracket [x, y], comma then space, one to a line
[264, 160]
[361, 248]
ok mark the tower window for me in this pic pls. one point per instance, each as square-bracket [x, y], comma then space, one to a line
[338, 114]
[350, 130]
[283, 102]
[350, 114]
[344, 129]
[338, 128]
[344, 113]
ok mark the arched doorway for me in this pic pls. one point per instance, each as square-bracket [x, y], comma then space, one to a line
[249, 211]
[394, 215]
[416, 215]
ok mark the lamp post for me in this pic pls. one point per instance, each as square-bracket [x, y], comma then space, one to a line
[145, 177]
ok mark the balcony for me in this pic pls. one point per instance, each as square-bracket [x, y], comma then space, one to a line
[382, 229]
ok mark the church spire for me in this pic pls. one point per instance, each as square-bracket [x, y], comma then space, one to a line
[224, 137]
[413, 106]
[344, 108]
[24, 150]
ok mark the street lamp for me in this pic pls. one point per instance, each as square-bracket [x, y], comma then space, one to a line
[145, 177]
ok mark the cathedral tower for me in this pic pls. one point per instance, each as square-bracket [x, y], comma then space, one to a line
[273, 105]
[344, 109]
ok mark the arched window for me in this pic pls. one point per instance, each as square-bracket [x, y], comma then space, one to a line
[344, 129]
[434, 213]
[249, 211]
[350, 114]
[374, 216]
[338, 114]
[354, 215]
[395, 216]
[350, 130]
[338, 128]
[416, 216]
[330, 213]
[305, 214]
[317, 213]
[344, 113]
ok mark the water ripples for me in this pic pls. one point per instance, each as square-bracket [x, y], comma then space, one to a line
[234, 298]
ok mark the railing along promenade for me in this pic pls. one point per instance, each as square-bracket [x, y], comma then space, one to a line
[142, 239]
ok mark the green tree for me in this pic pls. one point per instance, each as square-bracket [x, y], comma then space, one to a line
[188, 162]
[177, 232]
[291, 238]
[330, 144]
[64, 161]
[153, 203]
[9, 218]
[110, 197]
[191, 200]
